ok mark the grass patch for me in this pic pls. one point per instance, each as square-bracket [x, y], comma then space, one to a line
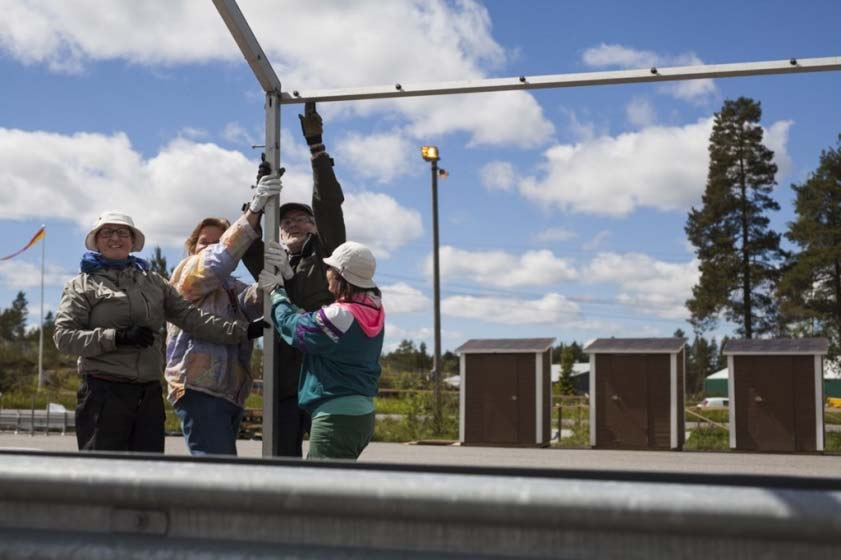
[832, 442]
[708, 439]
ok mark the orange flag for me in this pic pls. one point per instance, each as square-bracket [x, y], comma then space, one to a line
[35, 239]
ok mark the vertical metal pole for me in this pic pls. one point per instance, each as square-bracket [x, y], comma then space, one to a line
[41, 336]
[436, 359]
[271, 383]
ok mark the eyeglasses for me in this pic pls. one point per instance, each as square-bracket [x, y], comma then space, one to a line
[285, 222]
[122, 233]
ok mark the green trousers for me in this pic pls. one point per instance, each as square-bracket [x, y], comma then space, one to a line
[339, 436]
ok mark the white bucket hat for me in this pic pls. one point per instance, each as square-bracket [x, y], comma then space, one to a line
[355, 262]
[117, 218]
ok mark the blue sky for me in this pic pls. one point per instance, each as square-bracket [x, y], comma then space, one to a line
[563, 214]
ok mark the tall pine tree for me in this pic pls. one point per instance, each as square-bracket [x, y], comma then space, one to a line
[811, 283]
[737, 250]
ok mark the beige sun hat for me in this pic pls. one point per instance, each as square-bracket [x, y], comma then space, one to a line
[117, 218]
[355, 262]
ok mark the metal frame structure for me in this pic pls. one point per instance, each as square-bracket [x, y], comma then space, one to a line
[265, 74]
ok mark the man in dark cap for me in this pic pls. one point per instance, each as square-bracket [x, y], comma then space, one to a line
[309, 234]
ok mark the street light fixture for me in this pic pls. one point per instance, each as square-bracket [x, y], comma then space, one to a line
[430, 154]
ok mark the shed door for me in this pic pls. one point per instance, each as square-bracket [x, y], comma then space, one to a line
[623, 401]
[764, 403]
[494, 394]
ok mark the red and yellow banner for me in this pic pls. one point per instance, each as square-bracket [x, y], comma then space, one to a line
[35, 239]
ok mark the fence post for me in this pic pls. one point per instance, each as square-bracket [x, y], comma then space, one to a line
[17, 422]
[47, 428]
[32, 419]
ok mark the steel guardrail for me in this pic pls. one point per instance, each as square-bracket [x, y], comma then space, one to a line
[96, 506]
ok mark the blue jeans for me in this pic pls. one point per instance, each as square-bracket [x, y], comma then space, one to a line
[210, 424]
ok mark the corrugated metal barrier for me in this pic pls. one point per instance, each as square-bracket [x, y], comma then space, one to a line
[93, 507]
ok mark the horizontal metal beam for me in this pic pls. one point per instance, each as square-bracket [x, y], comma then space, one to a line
[791, 66]
[247, 43]
[92, 507]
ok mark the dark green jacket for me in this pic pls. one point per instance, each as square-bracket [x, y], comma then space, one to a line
[308, 288]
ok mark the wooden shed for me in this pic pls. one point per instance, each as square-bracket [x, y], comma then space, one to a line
[776, 394]
[505, 393]
[637, 393]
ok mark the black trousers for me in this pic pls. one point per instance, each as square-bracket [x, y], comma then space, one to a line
[119, 416]
[292, 423]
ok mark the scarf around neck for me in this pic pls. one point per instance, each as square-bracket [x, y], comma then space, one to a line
[93, 261]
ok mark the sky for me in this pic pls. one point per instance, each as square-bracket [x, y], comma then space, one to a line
[563, 214]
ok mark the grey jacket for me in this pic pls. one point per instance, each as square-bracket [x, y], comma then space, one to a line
[94, 305]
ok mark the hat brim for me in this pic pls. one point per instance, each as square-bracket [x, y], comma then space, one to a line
[139, 238]
[351, 278]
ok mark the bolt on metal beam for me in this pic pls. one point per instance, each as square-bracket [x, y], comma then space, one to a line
[518, 83]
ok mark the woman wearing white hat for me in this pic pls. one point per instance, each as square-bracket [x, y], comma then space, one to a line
[111, 316]
[341, 343]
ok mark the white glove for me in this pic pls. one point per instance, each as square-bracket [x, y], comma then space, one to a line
[268, 281]
[277, 256]
[268, 187]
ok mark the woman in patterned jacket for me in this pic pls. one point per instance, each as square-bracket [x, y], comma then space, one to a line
[208, 383]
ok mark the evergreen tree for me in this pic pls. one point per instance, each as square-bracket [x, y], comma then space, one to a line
[811, 283]
[157, 263]
[737, 250]
[13, 319]
[567, 360]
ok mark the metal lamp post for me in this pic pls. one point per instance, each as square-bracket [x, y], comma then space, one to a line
[430, 154]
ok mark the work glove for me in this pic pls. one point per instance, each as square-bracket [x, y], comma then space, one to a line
[312, 128]
[268, 187]
[135, 336]
[269, 281]
[256, 327]
[278, 257]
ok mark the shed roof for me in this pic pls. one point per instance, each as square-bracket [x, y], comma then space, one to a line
[635, 346]
[777, 346]
[505, 345]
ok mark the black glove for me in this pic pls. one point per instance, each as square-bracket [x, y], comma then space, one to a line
[265, 168]
[255, 328]
[135, 336]
[312, 128]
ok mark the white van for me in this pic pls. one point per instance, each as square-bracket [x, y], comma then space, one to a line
[714, 402]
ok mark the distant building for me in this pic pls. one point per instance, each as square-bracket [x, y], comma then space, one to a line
[716, 385]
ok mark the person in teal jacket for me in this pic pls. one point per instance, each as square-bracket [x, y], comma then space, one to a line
[341, 344]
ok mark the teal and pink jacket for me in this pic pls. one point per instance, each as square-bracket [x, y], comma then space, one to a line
[341, 343]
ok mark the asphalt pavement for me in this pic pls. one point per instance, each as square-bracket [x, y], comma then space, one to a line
[550, 458]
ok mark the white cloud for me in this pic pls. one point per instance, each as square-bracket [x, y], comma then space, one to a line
[619, 56]
[661, 288]
[380, 222]
[381, 156]
[235, 133]
[556, 234]
[166, 194]
[497, 175]
[640, 112]
[550, 309]
[22, 275]
[403, 298]
[501, 269]
[369, 42]
[659, 167]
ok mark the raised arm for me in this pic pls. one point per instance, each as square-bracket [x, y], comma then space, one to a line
[327, 196]
[198, 323]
